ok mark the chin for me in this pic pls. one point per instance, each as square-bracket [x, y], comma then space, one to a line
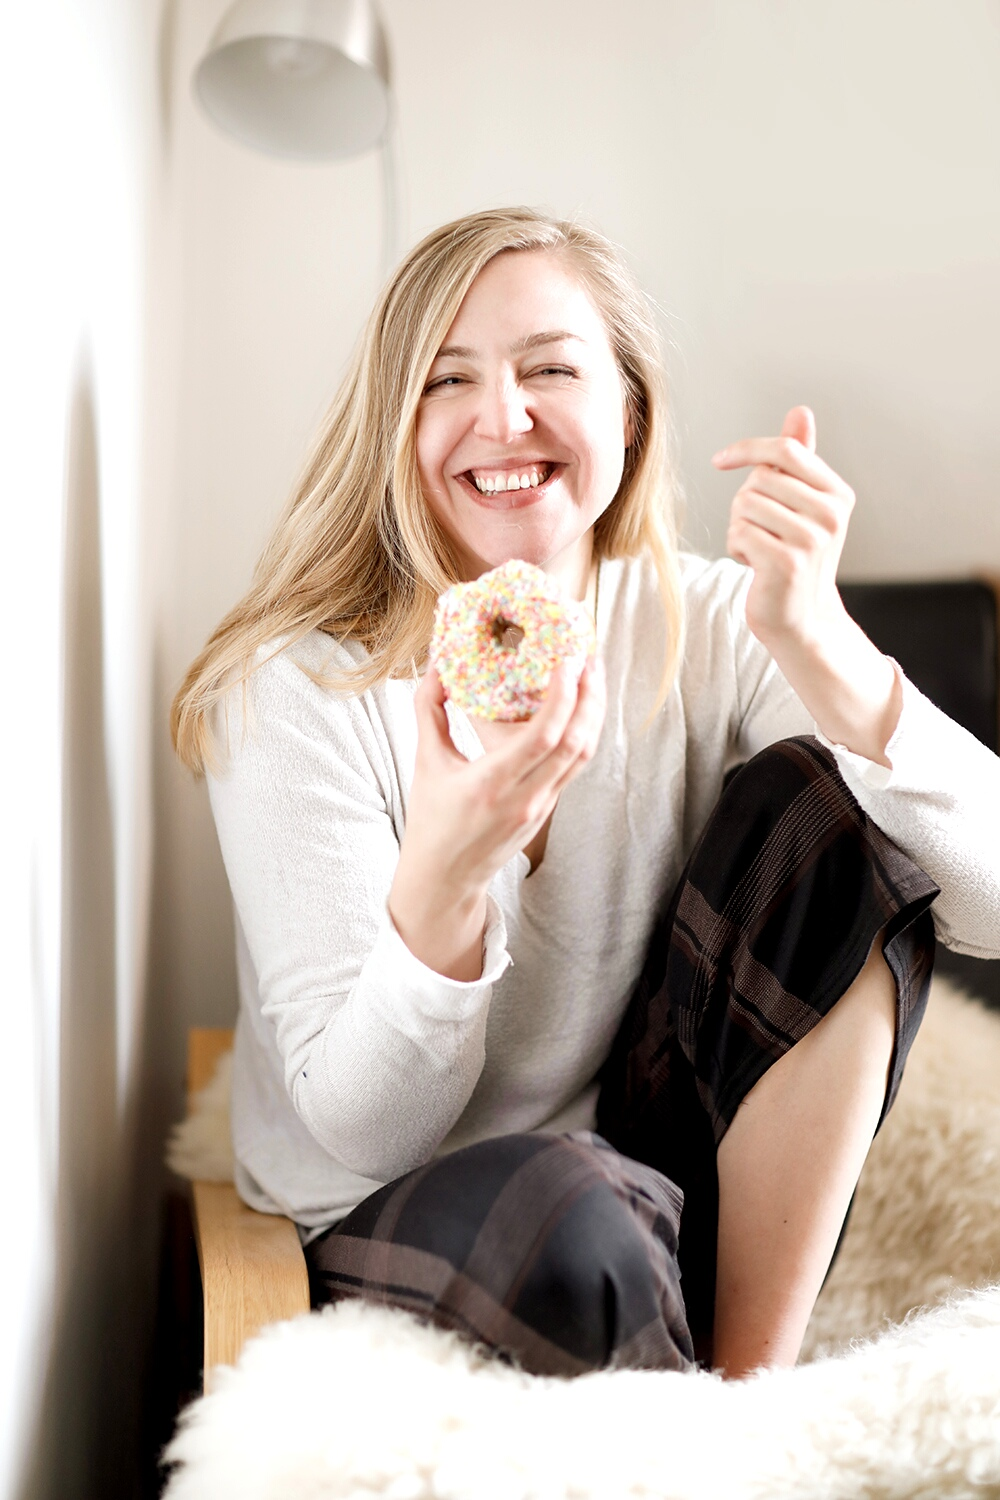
[540, 556]
[529, 544]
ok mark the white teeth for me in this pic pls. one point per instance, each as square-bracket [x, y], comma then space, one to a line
[491, 484]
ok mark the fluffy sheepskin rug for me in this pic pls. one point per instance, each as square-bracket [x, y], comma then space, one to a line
[358, 1402]
[201, 1147]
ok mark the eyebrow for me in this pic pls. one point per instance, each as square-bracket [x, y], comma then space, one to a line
[532, 341]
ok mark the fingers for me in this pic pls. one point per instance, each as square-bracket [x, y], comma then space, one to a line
[792, 453]
[753, 510]
[469, 816]
[433, 729]
[577, 744]
[784, 453]
[582, 726]
[823, 508]
[758, 535]
[538, 737]
[573, 707]
[758, 548]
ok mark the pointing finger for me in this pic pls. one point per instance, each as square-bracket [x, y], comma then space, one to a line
[784, 453]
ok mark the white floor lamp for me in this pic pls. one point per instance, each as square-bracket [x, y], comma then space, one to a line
[307, 80]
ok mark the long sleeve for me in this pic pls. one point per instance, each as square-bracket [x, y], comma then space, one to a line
[380, 1054]
[939, 801]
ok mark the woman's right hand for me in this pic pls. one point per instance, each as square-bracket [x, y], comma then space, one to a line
[466, 819]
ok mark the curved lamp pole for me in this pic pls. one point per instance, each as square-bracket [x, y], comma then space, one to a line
[307, 80]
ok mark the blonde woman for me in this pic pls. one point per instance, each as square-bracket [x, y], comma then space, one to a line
[535, 1018]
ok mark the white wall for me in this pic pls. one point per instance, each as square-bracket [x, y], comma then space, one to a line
[74, 763]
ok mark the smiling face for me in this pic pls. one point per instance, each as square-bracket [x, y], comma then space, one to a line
[522, 429]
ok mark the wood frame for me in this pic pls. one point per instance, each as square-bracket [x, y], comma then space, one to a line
[253, 1271]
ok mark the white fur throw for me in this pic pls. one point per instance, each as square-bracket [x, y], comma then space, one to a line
[358, 1402]
[201, 1147]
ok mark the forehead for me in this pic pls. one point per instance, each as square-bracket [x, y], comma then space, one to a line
[521, 293]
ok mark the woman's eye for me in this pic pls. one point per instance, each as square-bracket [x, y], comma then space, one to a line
[441, 382]
[554, 370]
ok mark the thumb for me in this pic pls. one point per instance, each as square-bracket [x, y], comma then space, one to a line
[800, 424]
[432, 722]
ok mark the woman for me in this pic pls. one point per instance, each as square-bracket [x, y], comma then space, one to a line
[464, 947]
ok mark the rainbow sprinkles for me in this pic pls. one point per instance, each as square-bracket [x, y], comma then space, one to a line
[498, 639]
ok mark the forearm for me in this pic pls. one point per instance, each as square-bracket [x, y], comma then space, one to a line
[379, 1053]
[387, 1072]
[442, 928]
[381, 1101]
[849, 687]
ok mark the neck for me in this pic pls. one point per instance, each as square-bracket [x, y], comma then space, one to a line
[575, 568]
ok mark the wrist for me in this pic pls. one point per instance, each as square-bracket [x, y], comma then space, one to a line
[443, 929]
[851, 689]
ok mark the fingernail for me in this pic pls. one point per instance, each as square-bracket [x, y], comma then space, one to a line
[723, 453]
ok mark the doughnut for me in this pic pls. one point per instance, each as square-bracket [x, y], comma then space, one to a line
[497, 640]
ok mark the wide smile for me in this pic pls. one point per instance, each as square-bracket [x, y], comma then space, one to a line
[507, 489]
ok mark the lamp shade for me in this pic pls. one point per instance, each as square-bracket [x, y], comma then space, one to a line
[298, 78]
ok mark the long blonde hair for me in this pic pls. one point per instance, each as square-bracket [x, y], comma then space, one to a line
[357, 552]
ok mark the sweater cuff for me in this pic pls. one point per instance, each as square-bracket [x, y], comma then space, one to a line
[435, 994]
[871, 773]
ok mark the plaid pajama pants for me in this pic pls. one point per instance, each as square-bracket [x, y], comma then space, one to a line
[568, 1253]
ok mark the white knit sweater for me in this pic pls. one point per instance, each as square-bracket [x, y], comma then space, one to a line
[353, 1061]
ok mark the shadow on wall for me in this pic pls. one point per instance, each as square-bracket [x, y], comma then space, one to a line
[81, 1418]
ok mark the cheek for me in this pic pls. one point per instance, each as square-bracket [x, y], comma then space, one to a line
[439, 431]
[429, 452]
[608, 427]
[609, 446]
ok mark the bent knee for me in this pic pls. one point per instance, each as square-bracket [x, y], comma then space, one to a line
[593, 1284]
[778, 773]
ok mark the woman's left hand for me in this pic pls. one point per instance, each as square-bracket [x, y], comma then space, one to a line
[788, 523]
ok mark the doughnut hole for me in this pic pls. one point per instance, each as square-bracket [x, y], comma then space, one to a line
[506, 633]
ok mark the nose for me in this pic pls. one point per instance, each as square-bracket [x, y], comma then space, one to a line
[503, 411]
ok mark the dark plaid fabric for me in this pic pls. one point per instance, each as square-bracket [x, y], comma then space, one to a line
[568, 1253]
[514, 1241]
